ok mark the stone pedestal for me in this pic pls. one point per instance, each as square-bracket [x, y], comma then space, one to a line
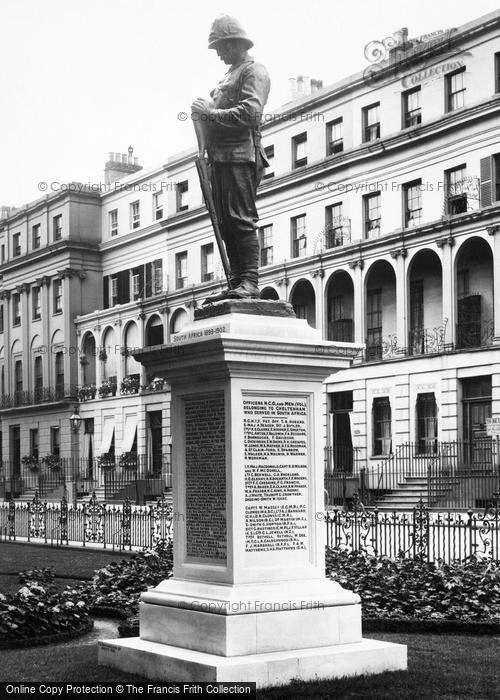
[249, 600]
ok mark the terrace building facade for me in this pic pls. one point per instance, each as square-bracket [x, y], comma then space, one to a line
[379, 222]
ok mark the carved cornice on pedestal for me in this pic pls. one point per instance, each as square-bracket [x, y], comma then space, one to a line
[43, 281]
[22, 288]
[358, 262]
[492, 230]
[282, 281]
[318, 272]
[5, 294]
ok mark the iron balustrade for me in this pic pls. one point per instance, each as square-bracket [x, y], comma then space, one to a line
[475, 333]
[337, 232]
[427, 341]
[39, 395]
[449, 475]
[139, 477]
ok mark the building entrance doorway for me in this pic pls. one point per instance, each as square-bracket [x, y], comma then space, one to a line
[476, 407]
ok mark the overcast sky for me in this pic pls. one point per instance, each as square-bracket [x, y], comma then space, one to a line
[80, 79]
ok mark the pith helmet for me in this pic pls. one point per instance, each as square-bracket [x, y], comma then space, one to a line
[227, 27]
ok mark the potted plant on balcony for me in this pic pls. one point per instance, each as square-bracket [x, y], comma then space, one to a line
[106, 461]
[52, 462]
[31, 463]
[107, 387]
[87, 392]
[130, 384]
[128, 460]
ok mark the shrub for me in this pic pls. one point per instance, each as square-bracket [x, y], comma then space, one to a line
[120, 584]
[404, 588]
[39, 609]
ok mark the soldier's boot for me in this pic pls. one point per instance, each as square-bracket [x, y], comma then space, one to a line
[234, 277]
[249, 267]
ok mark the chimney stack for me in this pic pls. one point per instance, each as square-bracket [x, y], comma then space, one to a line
[120, 165]
[303, 85]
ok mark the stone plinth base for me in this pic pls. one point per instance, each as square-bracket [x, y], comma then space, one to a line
[168, 663]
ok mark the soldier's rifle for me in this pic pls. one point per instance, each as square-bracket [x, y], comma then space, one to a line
[206, 188]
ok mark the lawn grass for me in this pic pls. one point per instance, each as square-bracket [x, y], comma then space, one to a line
[73, 563]
[440, 666]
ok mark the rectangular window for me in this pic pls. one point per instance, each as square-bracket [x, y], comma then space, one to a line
[382, 429]
[3, 252]
[299, 240]
[135, 215]
[57, 227]
[456, 190]
[299, 154]
[113, 222]
[371, 122]
[35, 236]
[334, 233]
[426, 424]
[16, 309]
[1, 318]
[269, 171]
[412, 200]
[157, 276]
[55, 442]
[182, 196]
[157, 206]
[374, 324]
[181, 270]
[35, 300]
[34, 443]
[207, 262]
[334, 137]
[16, 245]
[372, 213]
[497, 72]
[57, 295]
[38, 379]
[136, 286]
[18, 376]
[412, 112]
[113, 291]
[455, 90]
[59, 374]
[266, 245]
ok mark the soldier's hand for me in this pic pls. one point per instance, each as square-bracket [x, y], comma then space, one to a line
[201, 106]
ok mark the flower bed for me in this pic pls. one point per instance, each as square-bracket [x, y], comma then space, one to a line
[119, 585]
[404, 589]
[39, 613]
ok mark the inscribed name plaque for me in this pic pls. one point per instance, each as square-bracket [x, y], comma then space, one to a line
[204, 429]
[275, 433]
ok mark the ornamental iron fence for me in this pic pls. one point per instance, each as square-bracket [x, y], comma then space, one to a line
[91, 522]
[421, 533]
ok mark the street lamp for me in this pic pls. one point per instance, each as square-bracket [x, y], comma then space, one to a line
[75, 421]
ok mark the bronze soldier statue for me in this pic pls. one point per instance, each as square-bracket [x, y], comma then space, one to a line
[231, 129]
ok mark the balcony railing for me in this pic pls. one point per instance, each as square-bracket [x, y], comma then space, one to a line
[383, 348]
[459, 195]
[39, 395]
[475, 334]
[427, 341]
[341, 330]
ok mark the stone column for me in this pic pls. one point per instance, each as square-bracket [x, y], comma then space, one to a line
[400, 255]
[449, 305]
[359, 300]
[318, 275]
[494, 231]
[249, 600]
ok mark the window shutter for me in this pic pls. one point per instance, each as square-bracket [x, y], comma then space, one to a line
[106, 292]
[123, 287]
[149, 279]
[486, 183]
